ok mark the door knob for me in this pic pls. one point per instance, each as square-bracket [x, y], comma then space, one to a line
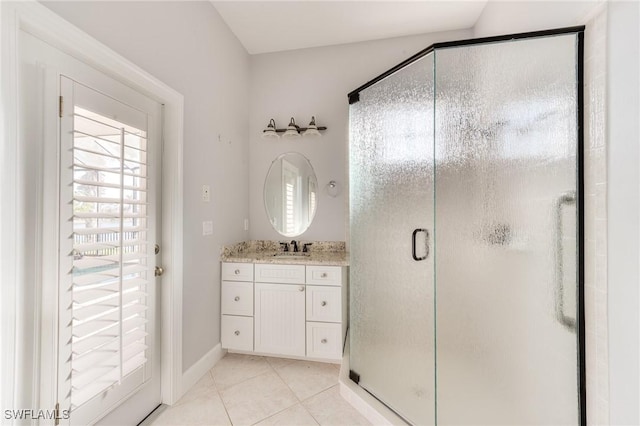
[323, 303]
[159, 271]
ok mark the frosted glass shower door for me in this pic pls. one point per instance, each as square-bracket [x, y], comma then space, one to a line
[506, 143]
[391, 275]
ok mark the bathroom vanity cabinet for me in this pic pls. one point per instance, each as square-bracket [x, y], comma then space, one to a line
[297, 311]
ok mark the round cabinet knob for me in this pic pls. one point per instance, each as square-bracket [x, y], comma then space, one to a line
[237, 272]
[323, 303]
[301, 288]
[323, 275]
[237, 332]
[236, 298]
[323, 341]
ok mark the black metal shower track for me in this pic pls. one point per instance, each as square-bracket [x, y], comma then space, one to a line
[354, 97]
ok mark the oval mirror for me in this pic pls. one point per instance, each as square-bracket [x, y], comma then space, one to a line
[291, 194]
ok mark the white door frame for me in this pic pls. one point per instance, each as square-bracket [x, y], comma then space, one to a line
[34, 18]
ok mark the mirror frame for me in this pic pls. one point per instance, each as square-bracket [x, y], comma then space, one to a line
[312, 214]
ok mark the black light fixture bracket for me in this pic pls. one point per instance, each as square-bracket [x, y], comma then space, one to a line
[300, 129]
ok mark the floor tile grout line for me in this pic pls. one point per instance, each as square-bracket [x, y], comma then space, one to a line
[242, 381]
[224, 406]
[259, 375]
[318, 393]
[281, 411]
[287, 385]
[290, 390]
[218, 390]
[340, 395]
[272, 369]
[311, 396]
[180, 401]
[300, 401]
[291, 361]
[311, 414]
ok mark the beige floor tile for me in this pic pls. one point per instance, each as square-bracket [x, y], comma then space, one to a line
[204, 409]
[329, 408]
[257, 398]
[236, 368]
[306, 378]
[279, 362]
[203, 386]
[294, 416]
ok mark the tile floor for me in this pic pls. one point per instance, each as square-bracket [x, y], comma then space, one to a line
[255, 390]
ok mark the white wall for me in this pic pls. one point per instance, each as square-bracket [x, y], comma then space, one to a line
[306, 82]
[623, 208]
[190, 48]
[507, 17]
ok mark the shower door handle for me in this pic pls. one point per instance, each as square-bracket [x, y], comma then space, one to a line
[413, 244]
[565, 199]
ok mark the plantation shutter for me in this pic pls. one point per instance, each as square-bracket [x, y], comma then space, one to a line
[111, 265]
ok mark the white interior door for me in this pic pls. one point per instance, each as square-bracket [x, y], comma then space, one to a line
[107, 355]
[109, 212]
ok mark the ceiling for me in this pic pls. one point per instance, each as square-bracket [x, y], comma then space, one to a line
[272, 26]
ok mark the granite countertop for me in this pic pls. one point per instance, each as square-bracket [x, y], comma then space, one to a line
[331, 253]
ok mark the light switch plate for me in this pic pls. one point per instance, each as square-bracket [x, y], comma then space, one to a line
[206, 193]
[246, 224]
[207, 227]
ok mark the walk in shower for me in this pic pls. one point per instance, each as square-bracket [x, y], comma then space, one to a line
[466, 294]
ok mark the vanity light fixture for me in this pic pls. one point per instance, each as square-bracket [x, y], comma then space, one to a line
[293, 130]
[270, 131]
[312, 130]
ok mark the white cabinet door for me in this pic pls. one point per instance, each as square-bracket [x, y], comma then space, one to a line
[280, 319]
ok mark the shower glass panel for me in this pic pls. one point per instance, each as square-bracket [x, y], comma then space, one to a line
[391, 203]
[506, 143]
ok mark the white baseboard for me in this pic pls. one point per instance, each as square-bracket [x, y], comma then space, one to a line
[199, 369]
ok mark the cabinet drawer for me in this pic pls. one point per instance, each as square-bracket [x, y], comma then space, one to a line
[237, 271]
[286, 274]
[324, 303]
[324, 340]
[324, 275]
[237, 298]
[237, 333]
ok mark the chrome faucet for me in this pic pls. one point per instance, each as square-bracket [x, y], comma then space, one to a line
[294, 246]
